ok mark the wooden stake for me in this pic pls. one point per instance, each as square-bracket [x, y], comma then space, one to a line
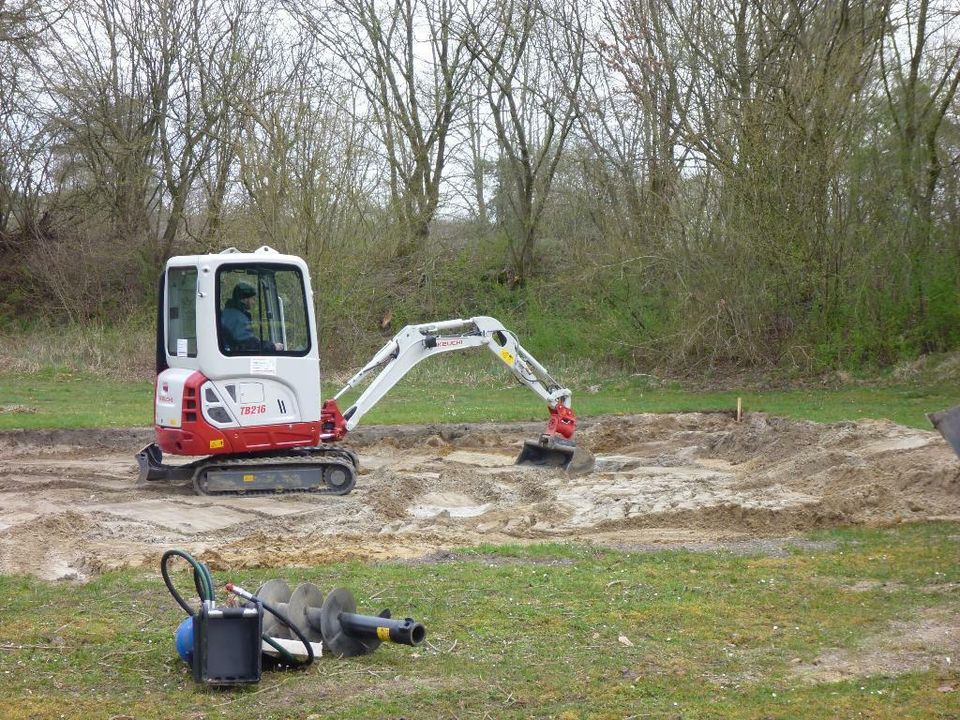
[739, 410]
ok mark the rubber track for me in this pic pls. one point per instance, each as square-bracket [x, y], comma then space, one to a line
[326, 454]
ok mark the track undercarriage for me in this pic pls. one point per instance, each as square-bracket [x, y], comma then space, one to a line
[325, 470]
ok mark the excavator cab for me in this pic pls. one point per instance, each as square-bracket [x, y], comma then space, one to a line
[237, 360]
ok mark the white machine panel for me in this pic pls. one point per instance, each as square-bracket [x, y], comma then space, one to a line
[169, 396]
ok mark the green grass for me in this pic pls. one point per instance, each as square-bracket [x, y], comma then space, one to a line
[518, 632]
[472, 391]
[449, 402]
[64, 399]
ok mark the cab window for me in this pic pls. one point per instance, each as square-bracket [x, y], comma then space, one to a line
[182, 312]
[262, 310]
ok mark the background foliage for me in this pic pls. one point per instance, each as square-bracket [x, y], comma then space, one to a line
[689, 184]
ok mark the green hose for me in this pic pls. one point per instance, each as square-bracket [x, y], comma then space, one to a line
[201, 579]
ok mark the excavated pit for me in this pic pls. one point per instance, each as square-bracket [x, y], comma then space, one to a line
[70, 507]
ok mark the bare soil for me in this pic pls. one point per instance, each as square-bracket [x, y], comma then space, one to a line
[70, 506]
[930, 641]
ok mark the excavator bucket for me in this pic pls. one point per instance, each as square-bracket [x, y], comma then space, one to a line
[550, 451]
[948, 423]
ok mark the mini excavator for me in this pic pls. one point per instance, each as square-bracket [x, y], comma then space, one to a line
[238, 381]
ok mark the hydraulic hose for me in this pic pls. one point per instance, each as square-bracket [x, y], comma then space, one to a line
[203, 582]
[201, 579]
[240, 592]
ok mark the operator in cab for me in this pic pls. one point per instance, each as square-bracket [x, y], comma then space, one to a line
[236, 321]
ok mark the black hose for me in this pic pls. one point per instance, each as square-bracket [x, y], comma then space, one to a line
[296, 631]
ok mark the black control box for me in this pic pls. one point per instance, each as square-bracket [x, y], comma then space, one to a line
[227, 645]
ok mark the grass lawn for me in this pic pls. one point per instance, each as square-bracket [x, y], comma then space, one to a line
[471, 392]
[827, 630]
[558, 631]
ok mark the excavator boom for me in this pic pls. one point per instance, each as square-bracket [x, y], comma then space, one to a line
[415, 343]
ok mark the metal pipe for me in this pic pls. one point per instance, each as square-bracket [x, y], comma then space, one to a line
[405, 632]
[347, 633]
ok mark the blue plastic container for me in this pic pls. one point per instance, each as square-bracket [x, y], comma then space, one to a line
[184, 640]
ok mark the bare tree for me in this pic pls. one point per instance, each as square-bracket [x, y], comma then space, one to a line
[480, 164]
[630, 119]
[920, 66]
[303, 162]
[409, 62]
[23, 157]
[530, 59]
[141, 90]
[769, 97]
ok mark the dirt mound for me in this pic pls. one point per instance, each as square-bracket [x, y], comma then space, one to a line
[71, 507]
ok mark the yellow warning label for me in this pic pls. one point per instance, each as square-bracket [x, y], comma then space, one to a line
[507, 357]
[383, 633]
[249, 478]
[216, 443]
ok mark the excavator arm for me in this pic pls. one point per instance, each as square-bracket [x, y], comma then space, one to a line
[414, 343]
